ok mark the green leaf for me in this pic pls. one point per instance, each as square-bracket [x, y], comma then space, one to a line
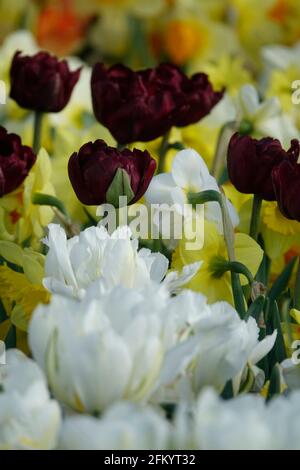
[263, 271]
[3, 315]
[227, 392]
[282, 281]
[278, 354]
[256, 308]
[11, 338]
[120, 186]
[275, 382]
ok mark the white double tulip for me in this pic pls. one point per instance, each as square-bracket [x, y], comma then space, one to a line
[96, 257]
[245, 422]
[123, 426]
[136, 343]
[29, 419]
[227, 346]
[98, 351]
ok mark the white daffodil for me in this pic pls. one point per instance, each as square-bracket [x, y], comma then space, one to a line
[226, 344]
[100, 350]
[279, 56]
[291, 373]
[189, 174]
[123, 426]
[94, 256]
[243, 423]
[250, 376]
[258, 118]
[265, 118]
[29, 419]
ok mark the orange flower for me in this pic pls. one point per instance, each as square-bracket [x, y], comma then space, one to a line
[182, 40]
[279, 11]
[60, 29]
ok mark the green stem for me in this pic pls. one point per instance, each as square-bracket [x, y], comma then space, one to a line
[240, 268]
[209, 196]
[215, 196]
[222, 145]
[297, 287]
[48, 200]
[255, 217]
[37, 131]
[162, 152]
[59, 210]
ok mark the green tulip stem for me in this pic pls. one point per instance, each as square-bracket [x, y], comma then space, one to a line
[297, 287]
[222, 145]
[59, 210]
[162, 153]
[255, 217]
[209, 196]
[37, 131]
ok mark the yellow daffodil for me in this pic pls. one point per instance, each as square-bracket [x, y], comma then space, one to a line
[12, 12]
[254, 25]
[228, 72]
[279, 233]
[208, 280]
[20, 292]
[33, 217]
[140, 8]
[280, 85]
[20, 219]
[291, 331]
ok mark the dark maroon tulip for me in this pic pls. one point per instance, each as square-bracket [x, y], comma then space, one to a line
[93, 169]
[15, 161]
[41, 82]
[144, 105]
[286, 181]
[250, 163]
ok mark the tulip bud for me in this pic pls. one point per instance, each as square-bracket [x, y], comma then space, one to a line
[144, 105]
[100, 174]
[15, 161]
[250, 164]
[286, 181]
[41, 82]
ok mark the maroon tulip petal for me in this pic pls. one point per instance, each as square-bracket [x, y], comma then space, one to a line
[286, 181]
[16, 160]
[250, 163]
[41, 82]
[92, 170]
[83, 193]
[144, 105]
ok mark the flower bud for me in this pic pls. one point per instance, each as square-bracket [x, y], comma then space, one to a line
[15, 161]
[250, 163]
[41, 82]
[101, 174]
